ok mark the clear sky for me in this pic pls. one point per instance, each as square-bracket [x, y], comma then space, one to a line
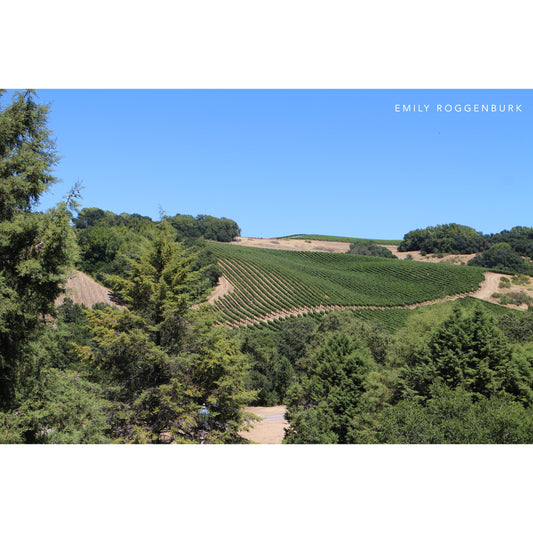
[279, 162]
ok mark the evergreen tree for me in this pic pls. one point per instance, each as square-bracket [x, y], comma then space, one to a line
[468, 351]
[36, 249]
[161, 360]
[452, 416]
[324, 406]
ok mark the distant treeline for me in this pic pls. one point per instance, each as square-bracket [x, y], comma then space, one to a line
[508, 250]
[212, 228]
[108, 242]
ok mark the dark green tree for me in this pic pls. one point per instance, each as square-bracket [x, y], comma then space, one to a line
[468, 351]
[452, 416]
[325, 405]
[160, 360]
[36, 249]
[269, 372]
[502, 257]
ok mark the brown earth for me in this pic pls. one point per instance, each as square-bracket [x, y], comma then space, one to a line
[293, 244]
[223, 286]
[454, 259]
[491, 286]
[270, 430]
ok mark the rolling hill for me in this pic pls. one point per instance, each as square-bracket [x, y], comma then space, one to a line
[268, 283]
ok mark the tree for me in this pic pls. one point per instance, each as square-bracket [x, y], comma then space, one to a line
[446, 238]
[36, 249]
[325, 405]
[468, 351]
[502, 257]
[451, 416]
[160, 360]
[370, 248]
[269, 372]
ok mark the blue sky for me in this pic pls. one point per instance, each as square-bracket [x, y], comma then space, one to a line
[279, 162]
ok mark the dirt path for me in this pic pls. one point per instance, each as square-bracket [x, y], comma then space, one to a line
[491, 286]
[270, 430]
[224, 286]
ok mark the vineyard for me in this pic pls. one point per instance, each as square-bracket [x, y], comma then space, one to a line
[269, 284]
[341, 239]
[391, 318]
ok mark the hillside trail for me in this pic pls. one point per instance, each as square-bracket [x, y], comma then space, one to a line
[224, 286]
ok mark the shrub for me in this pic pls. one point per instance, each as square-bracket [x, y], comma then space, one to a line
[505, 283]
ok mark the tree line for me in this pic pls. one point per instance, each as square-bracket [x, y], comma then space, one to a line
[507, 251]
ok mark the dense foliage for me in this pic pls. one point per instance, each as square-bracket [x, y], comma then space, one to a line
[445, 238]
[109, 243]
[502, 257]
[36, 249]
[450, 375]
[212, 228]
[159, 360]
[501, 251]
[370, 248]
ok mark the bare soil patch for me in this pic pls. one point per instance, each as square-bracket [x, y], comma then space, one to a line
[270, 430]
[491, 286]
[454, 259]
[342, 248]
[293, 244]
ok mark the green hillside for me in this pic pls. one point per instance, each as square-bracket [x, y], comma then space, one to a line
[332, 238]
[394, 318]
[270, 281]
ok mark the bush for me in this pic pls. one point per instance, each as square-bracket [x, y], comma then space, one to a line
[370, 248]
[501, 257]
[505, 283]
[446, 239]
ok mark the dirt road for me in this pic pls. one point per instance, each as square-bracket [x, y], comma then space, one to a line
[270, 430]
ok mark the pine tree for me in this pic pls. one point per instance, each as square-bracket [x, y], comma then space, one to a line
[161, 360]
[36, 249]
[470, 352]
[324, 407]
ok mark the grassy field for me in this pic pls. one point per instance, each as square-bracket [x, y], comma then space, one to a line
[276, 281]
[340, 239]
